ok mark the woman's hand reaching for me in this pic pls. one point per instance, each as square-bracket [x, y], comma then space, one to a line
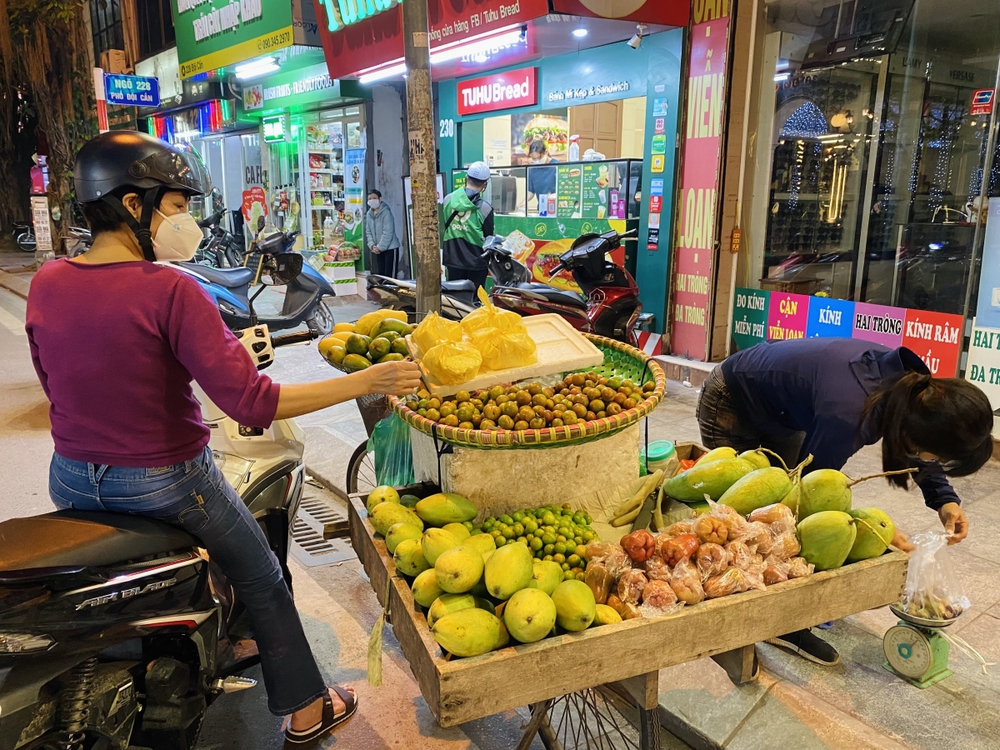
[954, 521]
[393, 378]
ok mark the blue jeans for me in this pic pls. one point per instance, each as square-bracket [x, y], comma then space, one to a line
[196, 497]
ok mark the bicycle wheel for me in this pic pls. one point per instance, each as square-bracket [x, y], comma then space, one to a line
[361, 471]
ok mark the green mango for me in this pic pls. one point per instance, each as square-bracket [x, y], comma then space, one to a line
[874, 534]
[757, 489]
[827, 538]
[824, 489]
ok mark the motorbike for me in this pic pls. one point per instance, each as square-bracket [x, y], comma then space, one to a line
[609, 305]
[458, 298]
[220, 248]
[117, 631]
[24, 236]
[229, 287]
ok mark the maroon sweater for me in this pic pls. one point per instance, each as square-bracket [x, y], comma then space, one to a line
[116, 347]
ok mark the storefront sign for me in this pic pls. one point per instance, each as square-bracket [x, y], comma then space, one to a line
[983, 367]
[354, 194]
[212, 34]
[340, 13]
[982, 102]
[935, 337]
[131, 91]
[515, 88]
[569, 189]
[274, 128]
[988, 306]
[655, 204]
[669, 12]
[295, 88]
[254, 205]
[699, 183]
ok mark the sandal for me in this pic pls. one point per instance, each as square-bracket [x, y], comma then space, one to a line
[328, 723]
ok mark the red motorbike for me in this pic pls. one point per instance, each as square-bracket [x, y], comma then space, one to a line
[609, 305]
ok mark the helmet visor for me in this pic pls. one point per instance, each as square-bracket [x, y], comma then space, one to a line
[181, 169]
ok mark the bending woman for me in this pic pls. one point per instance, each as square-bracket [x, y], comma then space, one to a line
[831, 397]
[128, 432]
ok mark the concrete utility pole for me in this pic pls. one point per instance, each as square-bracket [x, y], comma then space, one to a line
[420, 121]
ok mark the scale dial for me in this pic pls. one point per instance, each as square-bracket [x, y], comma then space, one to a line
[908, 651]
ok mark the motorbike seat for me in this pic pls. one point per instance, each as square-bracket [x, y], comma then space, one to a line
[71, 537]
[456, 287]
[231, 278]
[556, 296]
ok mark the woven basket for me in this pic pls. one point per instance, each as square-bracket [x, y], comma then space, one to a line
[620, 359]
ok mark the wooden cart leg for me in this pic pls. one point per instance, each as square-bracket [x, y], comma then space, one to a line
[539, 717]
[740, 664]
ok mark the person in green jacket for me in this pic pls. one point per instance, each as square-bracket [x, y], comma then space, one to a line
[468, 220]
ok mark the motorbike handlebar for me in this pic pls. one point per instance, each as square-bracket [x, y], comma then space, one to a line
[293, 338]
[559, 267]
[629, 233]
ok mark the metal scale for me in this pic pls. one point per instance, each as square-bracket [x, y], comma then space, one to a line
[916, 650]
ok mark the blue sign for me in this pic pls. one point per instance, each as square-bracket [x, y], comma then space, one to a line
[830, 318]
[131, 91]
[656, 187]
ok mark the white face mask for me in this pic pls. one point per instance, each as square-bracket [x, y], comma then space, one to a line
[177, 237]
[374, 203]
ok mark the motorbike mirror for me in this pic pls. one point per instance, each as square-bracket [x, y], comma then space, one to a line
[280, 269]
[260, 224]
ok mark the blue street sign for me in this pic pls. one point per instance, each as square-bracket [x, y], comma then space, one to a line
[131, 91]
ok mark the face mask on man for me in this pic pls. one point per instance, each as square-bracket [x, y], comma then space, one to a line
[177, 237]
[374, 203]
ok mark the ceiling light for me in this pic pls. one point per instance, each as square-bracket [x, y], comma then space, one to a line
[256, 68]
[580, 33]
[378, 74]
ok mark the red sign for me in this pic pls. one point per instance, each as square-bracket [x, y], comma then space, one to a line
[699, 185]
[982, 102]
[655, 204]
[515, 88]
[669, 12]
[936, 338]
[251, 196]
[379, 39]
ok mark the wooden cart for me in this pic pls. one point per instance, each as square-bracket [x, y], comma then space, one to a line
[628, 654]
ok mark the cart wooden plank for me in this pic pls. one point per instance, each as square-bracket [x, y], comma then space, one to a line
[462, 690]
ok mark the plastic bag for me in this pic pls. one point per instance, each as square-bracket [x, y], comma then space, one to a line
[658, 600]
[933, 590]
[676, 529]
[799, 567]
[686, 583]
[631, 585]
[600, 581]
[434, 330]
[503, 350]
[610, 555]
[683, 547]
[740, 553]
[390, 441]
[656, 569]
[711, 530]
[491, 316]
[712, 560]
[733, 581]
[453, 362]
[775, 571]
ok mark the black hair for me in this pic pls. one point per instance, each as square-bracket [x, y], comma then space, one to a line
[376, 193]
[948, 417]
[538, 146]
[474, 183]
[101, 217]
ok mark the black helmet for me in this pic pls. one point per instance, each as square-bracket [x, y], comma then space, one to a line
[129, 159]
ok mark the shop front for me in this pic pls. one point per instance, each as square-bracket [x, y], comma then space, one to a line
[876, 158]
[600, 95]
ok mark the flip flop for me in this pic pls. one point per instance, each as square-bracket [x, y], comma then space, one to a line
[328, 723]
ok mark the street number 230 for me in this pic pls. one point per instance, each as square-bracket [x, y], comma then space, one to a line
[446, 128]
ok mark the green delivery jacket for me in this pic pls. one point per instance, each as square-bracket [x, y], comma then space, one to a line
[468, 221]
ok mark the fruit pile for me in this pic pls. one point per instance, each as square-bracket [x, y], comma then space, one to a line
[830, 531]
[483, 586]
[580, 397]
[376, 337]
[716, 554]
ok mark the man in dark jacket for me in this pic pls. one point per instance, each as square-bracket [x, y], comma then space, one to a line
[468, 220]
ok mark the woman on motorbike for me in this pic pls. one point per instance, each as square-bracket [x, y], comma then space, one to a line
[128, 432]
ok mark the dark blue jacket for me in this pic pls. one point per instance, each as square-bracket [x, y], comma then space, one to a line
[819, 386]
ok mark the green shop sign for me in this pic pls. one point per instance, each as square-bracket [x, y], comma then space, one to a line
[212, 34]
[340, 13]
[299, 87]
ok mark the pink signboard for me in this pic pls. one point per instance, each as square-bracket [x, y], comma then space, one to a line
[878, 323]
[788, 316]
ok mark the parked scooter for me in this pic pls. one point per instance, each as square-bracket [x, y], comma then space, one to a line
[609, 305]
[115, 631]
[220, 248]
[229, 287]
[458, 298]
[24, 236]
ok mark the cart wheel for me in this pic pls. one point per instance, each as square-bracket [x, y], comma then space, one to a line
[361, 471]
[588, 721]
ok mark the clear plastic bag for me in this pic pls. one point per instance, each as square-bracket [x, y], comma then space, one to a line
[659, 600]
[434, 330]
[933, 590]
[799, 567]
[733, 581]
[610, 555]
[631, 585]
[712, 560]
[491, 316]
[390, 442]
[686, 583]
[453, 362]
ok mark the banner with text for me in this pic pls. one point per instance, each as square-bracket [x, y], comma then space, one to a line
[699, 181]
[983, 367]
[936, 338]
[212, 34]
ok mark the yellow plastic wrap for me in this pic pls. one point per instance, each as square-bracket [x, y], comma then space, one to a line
[434, 330]
[453, 362]
[491, 316]
[501, 350]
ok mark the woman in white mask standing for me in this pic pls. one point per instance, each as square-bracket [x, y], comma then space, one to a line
[380, 234]
[127, 429]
